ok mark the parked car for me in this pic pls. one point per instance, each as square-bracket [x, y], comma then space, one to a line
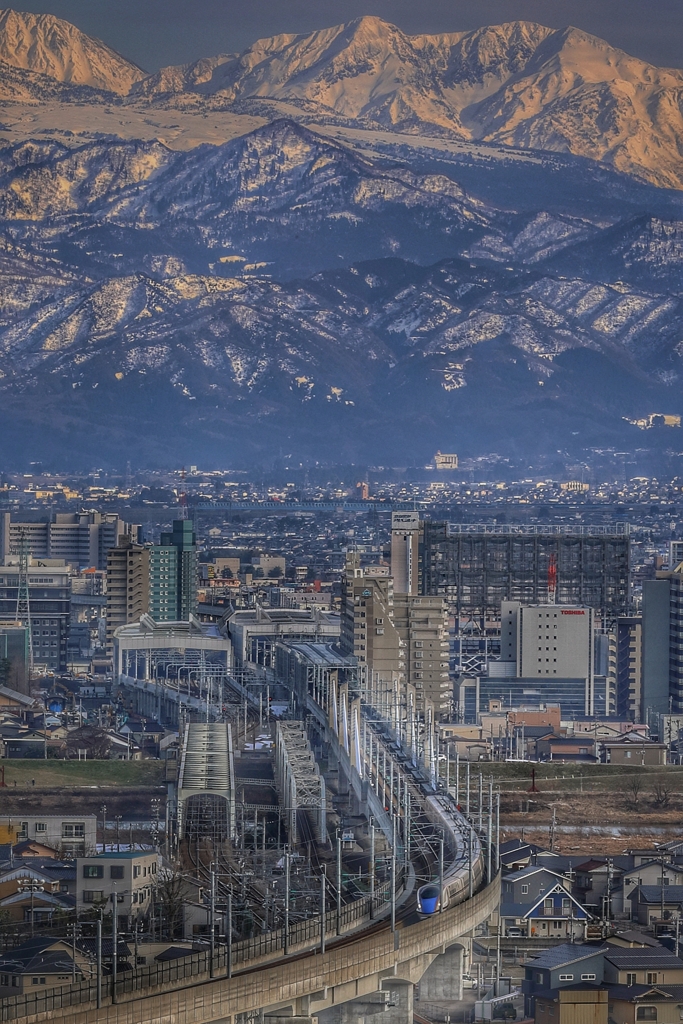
[515, 932]
[469, 982]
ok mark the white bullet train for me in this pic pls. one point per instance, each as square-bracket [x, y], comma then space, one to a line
[441, 811]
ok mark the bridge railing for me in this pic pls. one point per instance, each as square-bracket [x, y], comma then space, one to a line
[170, 972]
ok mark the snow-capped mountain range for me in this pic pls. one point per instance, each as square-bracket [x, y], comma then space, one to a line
[430, 241]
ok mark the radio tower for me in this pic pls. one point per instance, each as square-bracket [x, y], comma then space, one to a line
[552, 579]
[23, 603]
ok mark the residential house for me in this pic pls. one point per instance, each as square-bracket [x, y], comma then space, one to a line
[35, 905]
[131, 876]
[554, 914]
[567, 748]
[73, 835]
[656, 966]
[629, 1004]
[526, 885]
[576, 1004]
[559, 967]
[632, 749]
[648, 873]
[38, 964]
[595, 881]
[657, 905]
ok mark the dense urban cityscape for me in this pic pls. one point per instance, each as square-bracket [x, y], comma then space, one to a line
[247, 708]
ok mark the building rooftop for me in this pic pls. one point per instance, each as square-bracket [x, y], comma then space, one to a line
[568, 953]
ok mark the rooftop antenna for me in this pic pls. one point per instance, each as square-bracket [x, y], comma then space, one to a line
[23, 603]
[182, 497]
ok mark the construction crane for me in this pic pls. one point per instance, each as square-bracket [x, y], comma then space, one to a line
[552, 579]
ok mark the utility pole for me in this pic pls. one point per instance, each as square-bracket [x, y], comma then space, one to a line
[114, 952]
[99, 962]
[467, 793]
[339, 882]
[287, 888]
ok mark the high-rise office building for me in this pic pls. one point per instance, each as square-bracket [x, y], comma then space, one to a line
[547, 640]
[127, 586]
[50, 605]
[80, 538]
[476, 568]
[173, 574]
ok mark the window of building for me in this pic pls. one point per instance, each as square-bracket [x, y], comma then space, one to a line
[136, 870]
[41, 981]
[587, 977]
[41, 826]
[525, 890]
[116, 871]
[93, 871]
[652, 977]
[646, 1013]
[630, 979]
[566, 977]
[92, 895]
[74, 830]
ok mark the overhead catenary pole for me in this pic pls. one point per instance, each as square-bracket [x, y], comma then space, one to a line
[441, 901]
[229, 936]
[339, 882]
[287, 888]
[323, 879]
[212, 923]
[393, 877]
[372, 870]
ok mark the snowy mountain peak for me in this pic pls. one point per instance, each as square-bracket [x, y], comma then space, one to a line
[47, 45]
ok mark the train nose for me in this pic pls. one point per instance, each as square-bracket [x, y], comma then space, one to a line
[428, 899]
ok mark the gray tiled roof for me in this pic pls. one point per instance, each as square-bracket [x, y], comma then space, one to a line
[567, 953]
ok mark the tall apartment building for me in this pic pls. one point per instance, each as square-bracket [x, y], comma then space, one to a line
[80, 538]
[367, 622]
[406, 530]
[662, 652]
[127, 586]
[163, 583]
[422, 625]
[50, 605]
[629, 639]
[173, 574]
[478, 567]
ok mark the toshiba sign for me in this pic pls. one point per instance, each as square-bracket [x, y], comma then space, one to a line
[573, 611]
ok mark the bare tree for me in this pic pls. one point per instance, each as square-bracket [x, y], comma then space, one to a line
[91, 739]
[662, 794]
[171, 899]
[633, 789]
